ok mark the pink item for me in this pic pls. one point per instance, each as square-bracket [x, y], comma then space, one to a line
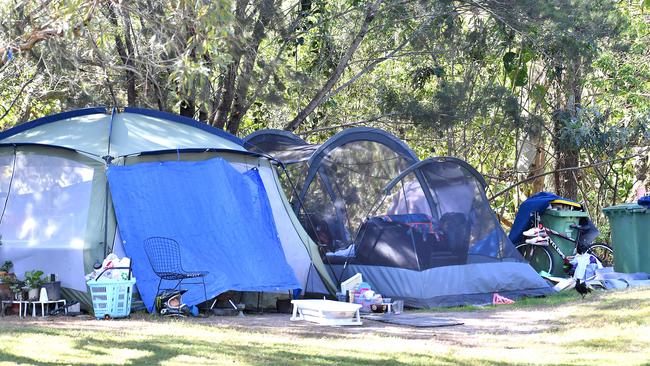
[500, 300]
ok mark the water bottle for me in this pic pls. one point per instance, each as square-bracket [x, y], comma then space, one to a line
[96, 269]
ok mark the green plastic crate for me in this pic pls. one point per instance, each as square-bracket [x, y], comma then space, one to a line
[561, 221]
[630, 225]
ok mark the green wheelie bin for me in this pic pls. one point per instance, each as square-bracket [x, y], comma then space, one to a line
[630, 226]
[562, 222]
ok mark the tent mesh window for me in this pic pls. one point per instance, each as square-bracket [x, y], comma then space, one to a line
[336, 183]
[451, 225]
[48, 201]
[369, 201]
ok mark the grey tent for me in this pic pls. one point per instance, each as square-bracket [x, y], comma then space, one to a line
[57, 212]
[421, 231]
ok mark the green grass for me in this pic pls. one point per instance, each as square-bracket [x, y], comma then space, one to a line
[606, 329]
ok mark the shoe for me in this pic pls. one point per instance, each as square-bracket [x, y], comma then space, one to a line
[538, 240]
[535, 231]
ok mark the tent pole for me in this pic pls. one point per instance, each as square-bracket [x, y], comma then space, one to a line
[11, 180]
[108, 158]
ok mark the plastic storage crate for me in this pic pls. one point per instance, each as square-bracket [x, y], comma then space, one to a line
[111, 298]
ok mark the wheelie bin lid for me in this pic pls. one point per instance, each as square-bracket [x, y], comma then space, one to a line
[566, 213]
[625, 208]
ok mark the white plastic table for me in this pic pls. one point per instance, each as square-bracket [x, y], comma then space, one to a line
[22, 307]
[45, 304]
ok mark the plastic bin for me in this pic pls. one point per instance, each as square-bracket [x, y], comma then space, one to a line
[111, 298]
[561, 221]
[630, 226]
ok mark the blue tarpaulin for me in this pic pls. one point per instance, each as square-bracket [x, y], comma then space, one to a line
[535, 203]
[644, 201]
[221, 218]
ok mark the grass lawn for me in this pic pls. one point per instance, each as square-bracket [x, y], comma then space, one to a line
[605, 329]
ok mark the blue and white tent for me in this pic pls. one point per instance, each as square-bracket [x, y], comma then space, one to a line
[77, 185]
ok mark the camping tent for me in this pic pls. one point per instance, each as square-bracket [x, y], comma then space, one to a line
[57, 211]
[421, 231]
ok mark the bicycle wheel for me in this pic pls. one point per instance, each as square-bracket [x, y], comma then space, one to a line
[603, 252]
[537, 256]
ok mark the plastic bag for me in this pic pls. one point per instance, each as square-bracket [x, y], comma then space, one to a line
[106, 272]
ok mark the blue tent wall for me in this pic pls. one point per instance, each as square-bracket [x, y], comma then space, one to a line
[221, 218]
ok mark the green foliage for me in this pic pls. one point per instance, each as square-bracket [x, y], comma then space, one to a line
[34, 279]
[470, 79]
[7, 266]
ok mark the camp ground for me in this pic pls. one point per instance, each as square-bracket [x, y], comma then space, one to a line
[268, 217]
[355, 237]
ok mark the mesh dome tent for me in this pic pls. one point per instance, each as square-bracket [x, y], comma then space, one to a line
[421, 231]
[337, 182]
[59, 215]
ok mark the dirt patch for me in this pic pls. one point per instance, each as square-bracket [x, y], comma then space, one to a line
[494, 321]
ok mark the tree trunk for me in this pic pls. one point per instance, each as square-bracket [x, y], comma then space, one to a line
[565, 183]
[567, 154]
[130, 74]
[338, 71]
[227, 92]
[250, 57]
[227, 95]
[126, 58]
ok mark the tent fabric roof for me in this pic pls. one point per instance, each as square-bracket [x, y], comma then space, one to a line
[272, 139]
[289, 148]
[100, 132]
[362, 134]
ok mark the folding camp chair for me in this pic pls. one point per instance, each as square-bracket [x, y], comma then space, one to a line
[165, 258]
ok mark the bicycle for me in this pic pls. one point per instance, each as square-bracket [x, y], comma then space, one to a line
[535, 250]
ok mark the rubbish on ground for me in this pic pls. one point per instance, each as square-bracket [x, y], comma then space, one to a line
[585, 266]
[501, 300]
[565, 284]
[351, 283]
[326, 312]
[603, 278]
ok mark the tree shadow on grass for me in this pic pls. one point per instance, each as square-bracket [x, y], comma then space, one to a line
[187, 351]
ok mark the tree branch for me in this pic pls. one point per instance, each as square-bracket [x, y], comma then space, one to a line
[569, 169]
[13, 102]
[338, 71]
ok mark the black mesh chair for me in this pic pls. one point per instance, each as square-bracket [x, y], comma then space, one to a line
[165, 258]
